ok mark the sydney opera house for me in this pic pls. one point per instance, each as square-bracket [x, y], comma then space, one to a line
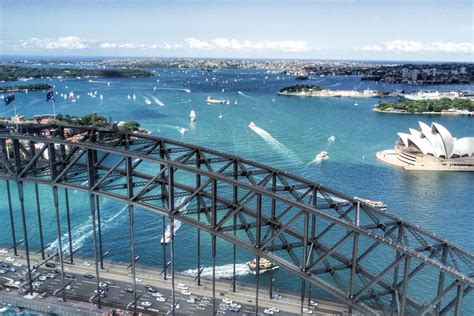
[431, 148]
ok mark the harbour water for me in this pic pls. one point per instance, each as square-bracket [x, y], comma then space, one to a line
[290, 132]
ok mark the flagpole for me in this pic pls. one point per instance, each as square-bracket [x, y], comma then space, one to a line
[54, 109]
[16, 115]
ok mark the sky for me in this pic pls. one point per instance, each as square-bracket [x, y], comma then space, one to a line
[412, 30]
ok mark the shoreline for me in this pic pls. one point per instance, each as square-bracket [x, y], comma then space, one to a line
[422, 113]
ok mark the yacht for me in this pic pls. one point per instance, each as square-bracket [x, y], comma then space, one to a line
[192, 116]
[211, 100]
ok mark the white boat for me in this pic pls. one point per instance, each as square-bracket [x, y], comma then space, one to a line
[192, 116]
[322, 156]
[220, 115]
[356, 104]
[167, 239]
[101, 97]
[147, 101]
[129, 97]
[211, 100]
[332, 139]
[252, 125]
[134, 97]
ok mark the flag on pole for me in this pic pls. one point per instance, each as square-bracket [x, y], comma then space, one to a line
[50, 95]
[10, 98]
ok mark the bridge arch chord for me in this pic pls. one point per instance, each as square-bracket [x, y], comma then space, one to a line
[323, 236]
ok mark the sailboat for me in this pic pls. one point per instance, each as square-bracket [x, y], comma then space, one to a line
[192, 116]
[220, 115]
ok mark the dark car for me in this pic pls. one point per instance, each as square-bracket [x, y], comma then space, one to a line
[50, 265]
[88, 276]
[151, 289]
[69, 275]
[128, 290]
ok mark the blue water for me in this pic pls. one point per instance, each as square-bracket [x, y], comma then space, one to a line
[299, 129]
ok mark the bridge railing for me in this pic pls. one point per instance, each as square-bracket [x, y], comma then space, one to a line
[362, 255]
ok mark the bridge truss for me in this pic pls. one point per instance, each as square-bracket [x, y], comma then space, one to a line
[364, 257]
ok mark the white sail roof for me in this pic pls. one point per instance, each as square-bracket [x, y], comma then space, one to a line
[438, 141]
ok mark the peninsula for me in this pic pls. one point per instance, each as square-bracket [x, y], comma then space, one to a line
[317, 91]
[27, 87]
[444, 106]
[13, 73]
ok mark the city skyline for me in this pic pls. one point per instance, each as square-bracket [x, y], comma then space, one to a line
[318, 29]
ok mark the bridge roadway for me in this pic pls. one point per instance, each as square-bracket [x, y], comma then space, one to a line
[116, 298]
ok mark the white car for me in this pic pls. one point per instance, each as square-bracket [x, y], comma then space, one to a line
[42, 277]
[157, 294]
[313, 303]
[307, 311]
[274, 309]
[237, 305]
[191, 300]
[17, 264]
[68, 287]
[3, 251]
[227, 301]
[182, 286]
[186, 292]
[268, 311]
[160, 299]
[11, 259]
[146, 304]
[139, 280]
[86, 264]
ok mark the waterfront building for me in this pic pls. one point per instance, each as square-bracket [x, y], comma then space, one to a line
[431, 148]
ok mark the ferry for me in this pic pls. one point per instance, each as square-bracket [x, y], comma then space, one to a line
[211, 100]
[265, 265]
[377, 204]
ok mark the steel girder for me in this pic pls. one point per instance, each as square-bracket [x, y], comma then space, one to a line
[338, 251]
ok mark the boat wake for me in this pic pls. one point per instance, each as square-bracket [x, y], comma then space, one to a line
[156, 100]
[84, 231]
[275, 144]
[98, 81]
[335, 85]
[247, 96]
[177, 224]
[176, 89]
[222, 272]
[180, 102]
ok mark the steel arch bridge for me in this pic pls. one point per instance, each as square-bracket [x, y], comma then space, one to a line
[365, 257]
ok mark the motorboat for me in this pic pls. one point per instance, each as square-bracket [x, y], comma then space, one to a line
[332, 139]
[192, 116]
[264, 265]
[211, 100]
[322, 156]
[220, 115]
[252, 125]
[377, 204]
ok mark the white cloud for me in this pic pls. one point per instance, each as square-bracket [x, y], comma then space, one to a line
[67, 42]
[416, 46]
[234, 44]
[195, 43]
